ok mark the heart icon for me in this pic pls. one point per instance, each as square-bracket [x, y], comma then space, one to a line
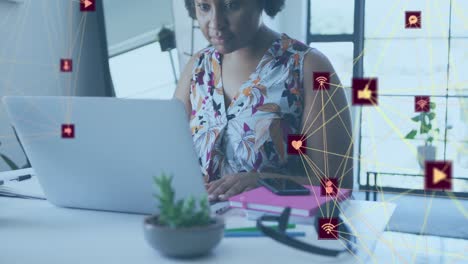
[296, 144]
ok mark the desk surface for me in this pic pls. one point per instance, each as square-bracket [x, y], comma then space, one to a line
[35, 231]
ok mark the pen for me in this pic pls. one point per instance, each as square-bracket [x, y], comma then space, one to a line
[16, 175]
[259, 234]
[248, 229]
[15, 178]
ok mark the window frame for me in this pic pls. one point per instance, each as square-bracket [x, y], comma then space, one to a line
[358, 39]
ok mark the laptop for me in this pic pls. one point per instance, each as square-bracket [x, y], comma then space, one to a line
[108, 158]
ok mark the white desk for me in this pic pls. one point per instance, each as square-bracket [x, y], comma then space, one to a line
[33, 231]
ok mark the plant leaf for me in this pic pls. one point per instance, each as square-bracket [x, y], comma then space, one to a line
[431, 115]
[425, 128]
[180, 213]
[432, 105]
[411, 134]
[416, 118]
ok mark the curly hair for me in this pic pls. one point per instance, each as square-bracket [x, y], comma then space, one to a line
[271, 7]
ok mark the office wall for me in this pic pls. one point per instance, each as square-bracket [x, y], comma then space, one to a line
[34, 35]
[130, 24]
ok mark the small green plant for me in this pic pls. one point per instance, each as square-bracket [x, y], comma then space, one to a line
[181, 213]
[425, 126]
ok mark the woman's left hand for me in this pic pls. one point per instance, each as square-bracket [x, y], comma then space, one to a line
[230, 185]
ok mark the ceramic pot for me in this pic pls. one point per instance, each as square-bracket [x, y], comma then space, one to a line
[185, 242]
[427, 152]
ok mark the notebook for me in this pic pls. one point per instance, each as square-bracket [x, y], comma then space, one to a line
[262, 199]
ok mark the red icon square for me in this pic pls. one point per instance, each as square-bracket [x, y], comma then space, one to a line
[66, 65]
[327, 228]
[297, 144]
[438, 175]
[87, 5]
[413, 19]
[364, 91]
[329, 187]
[422, 103]
[321, 80]
[68, 131]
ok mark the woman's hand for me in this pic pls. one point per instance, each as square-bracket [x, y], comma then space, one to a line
[230, 185]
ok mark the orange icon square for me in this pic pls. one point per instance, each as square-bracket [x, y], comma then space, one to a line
[297, 144]
[438, 175]
[364, 91]
[327, 228]
[413, 19]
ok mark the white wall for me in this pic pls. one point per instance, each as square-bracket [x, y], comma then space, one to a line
[134, 23]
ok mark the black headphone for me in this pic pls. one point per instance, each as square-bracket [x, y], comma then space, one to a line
[279, 234]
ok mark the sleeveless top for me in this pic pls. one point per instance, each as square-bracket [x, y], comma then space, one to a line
[249, 135]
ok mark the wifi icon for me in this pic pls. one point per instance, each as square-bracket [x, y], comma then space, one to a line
[328, 228]
[321, 80]
[421, 104]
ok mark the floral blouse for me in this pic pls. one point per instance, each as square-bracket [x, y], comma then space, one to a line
[249, 135]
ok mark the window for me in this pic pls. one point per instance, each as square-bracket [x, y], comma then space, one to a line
[429, 61]
[146, 72]
[339, 37]
[139, 68]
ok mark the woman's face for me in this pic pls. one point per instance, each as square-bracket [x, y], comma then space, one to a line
[228, 24]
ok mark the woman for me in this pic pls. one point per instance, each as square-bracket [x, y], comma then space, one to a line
[250, 90]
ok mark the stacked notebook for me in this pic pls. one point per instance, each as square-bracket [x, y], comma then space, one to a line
[261, 200]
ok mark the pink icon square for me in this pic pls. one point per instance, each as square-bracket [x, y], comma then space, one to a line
[87, 5]
[66, 65]
[422, 103]
[321, 80]
[68, 131]
[297, 144]
[329, 187]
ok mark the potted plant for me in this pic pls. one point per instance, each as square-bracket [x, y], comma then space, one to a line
[426, 130]
[182, 229]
